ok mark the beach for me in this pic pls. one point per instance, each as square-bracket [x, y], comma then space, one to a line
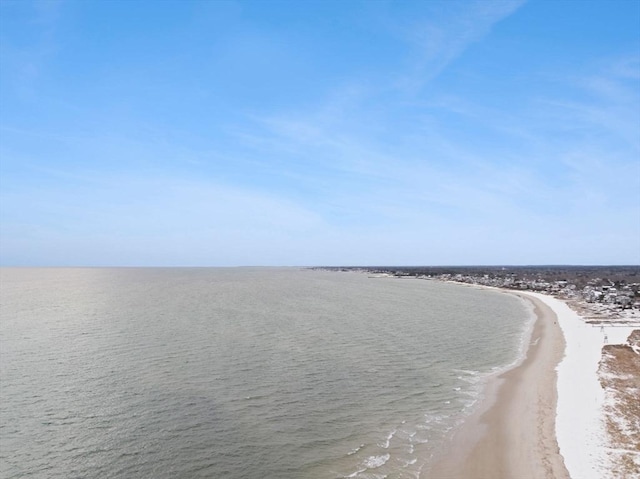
[544, 417]
[582, 412]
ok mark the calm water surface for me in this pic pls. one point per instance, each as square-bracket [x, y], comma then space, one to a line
[239, 373]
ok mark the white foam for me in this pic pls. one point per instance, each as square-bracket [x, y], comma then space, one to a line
[385, 445]
[355, 474]
[355, 450]
[373, 462]
[419, 440]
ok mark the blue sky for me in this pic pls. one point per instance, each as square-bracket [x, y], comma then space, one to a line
[230, 133]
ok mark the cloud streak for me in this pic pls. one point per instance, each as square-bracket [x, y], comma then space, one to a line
[437, 43]
[400, 147]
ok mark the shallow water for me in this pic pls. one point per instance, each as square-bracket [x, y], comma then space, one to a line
[239, 373]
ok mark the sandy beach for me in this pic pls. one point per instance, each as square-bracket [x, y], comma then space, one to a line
[542, 419]
[581, 410]
[512, 434]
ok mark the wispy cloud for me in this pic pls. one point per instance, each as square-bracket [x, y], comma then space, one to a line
[436, 178]
[387, 155]
[437, 42]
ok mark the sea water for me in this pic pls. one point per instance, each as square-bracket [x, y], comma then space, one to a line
[239, 373]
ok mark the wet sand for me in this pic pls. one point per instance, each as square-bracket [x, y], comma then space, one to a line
[512, 434]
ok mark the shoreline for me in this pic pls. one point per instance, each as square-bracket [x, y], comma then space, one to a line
[543, 418]
[593, 394]
[512, 433]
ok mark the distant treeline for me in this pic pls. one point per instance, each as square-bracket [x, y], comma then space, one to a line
[578, 275]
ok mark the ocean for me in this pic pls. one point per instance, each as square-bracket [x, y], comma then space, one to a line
[240, 373]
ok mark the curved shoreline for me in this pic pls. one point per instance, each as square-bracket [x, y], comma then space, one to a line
[513, 433]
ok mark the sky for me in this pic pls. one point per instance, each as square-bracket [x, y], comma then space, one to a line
[299, 133]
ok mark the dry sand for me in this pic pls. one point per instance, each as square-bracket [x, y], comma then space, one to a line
[513, 435]
[620, 378]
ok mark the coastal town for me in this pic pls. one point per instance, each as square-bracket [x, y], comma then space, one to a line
[600, 294]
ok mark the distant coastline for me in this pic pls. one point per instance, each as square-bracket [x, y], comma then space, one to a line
[608, 294]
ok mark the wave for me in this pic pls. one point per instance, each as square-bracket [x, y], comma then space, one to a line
[373, 462]
[355, 450]
[385, 445]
